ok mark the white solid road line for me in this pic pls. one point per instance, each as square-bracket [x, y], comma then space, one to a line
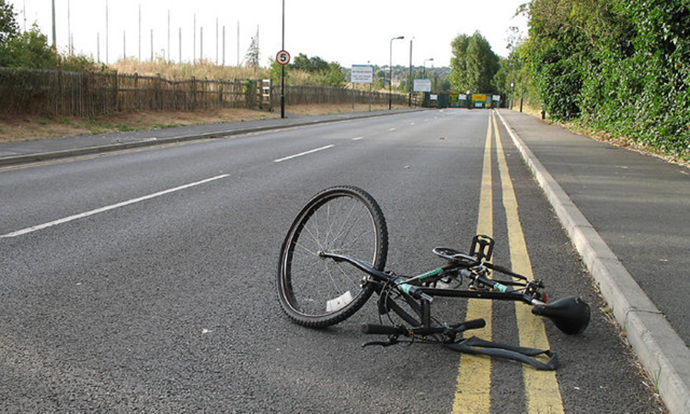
[107, 208]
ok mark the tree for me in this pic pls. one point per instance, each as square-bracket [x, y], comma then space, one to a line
[335, 76]
[30, 50]
[473, 64]
[620, 66]
[8, 22]
[311, 65]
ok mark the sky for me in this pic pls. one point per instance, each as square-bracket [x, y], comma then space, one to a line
[350, 32]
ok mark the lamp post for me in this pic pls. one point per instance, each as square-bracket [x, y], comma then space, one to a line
[427, 60]
[282, 73]
[409, 84]
[390, 73]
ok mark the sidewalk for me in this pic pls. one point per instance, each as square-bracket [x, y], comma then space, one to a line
[628, 215]
[40, 150]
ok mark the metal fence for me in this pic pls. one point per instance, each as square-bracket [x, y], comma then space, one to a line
[87, 94]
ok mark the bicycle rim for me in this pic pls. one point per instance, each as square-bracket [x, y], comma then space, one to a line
[315, 291]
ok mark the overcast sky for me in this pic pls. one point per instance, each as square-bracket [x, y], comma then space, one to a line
[348, 32]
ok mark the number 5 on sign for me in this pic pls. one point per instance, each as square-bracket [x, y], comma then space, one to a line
[283, 57]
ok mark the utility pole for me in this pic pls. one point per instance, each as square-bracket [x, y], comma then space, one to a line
[168, 59]
[139, 32]
[69, 29]
[106, 31]
[194, 51]
[54, 36]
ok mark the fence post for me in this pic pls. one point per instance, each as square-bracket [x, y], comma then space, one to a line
[158, 91]
[193, 92]
[136, 91]
[116, 92]
[220, 93]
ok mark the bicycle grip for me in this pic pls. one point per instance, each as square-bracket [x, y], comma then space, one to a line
[474, 324]
[374, 329]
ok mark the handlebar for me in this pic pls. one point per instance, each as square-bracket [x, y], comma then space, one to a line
[373, 329]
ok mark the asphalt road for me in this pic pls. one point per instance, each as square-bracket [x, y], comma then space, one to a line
[144, 280]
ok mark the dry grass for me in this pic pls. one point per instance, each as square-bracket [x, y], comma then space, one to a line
[29, 128]
[177, 71]
[24, 128]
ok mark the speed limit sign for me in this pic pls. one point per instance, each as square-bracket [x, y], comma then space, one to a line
[283, 57]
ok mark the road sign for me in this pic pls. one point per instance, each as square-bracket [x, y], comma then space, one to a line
[422, 85]
[283, 57]
[362, 74]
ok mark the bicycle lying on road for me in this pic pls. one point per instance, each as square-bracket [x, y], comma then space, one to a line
[333, 259]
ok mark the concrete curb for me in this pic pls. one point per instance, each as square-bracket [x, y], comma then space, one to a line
[662, 352]
[146, 142]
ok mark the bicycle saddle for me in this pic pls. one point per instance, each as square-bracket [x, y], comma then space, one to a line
[570, 314]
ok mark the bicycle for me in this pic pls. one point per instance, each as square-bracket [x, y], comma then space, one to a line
[333, 259]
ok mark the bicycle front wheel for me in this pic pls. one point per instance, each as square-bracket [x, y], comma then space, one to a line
[316, 291]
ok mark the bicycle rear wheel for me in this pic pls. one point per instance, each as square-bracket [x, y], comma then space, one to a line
[315, 291]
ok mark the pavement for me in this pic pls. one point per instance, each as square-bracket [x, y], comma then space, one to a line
[627, 214]
[41, 150]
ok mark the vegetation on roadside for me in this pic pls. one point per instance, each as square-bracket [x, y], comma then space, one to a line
[30, 49]
[618, 68]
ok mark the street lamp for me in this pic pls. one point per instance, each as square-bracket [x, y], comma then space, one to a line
[409, 81]
[427, 60]
[390, 74]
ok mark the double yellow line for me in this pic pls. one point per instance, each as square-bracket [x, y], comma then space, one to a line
[473, 388]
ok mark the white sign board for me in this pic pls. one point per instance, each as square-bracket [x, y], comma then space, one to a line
[362, 74]
[422, 85]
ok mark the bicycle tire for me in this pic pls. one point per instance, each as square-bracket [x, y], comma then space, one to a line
[318, 292]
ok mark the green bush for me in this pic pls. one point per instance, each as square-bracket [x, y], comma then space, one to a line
[621, 66]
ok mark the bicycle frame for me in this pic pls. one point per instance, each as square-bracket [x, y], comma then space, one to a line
[407, 286]
[569, 314]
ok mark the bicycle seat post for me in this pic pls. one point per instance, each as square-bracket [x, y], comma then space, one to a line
[426, 313]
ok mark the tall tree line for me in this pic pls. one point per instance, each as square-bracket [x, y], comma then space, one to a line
[618, 66]
[473, 65]
[621, 66]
